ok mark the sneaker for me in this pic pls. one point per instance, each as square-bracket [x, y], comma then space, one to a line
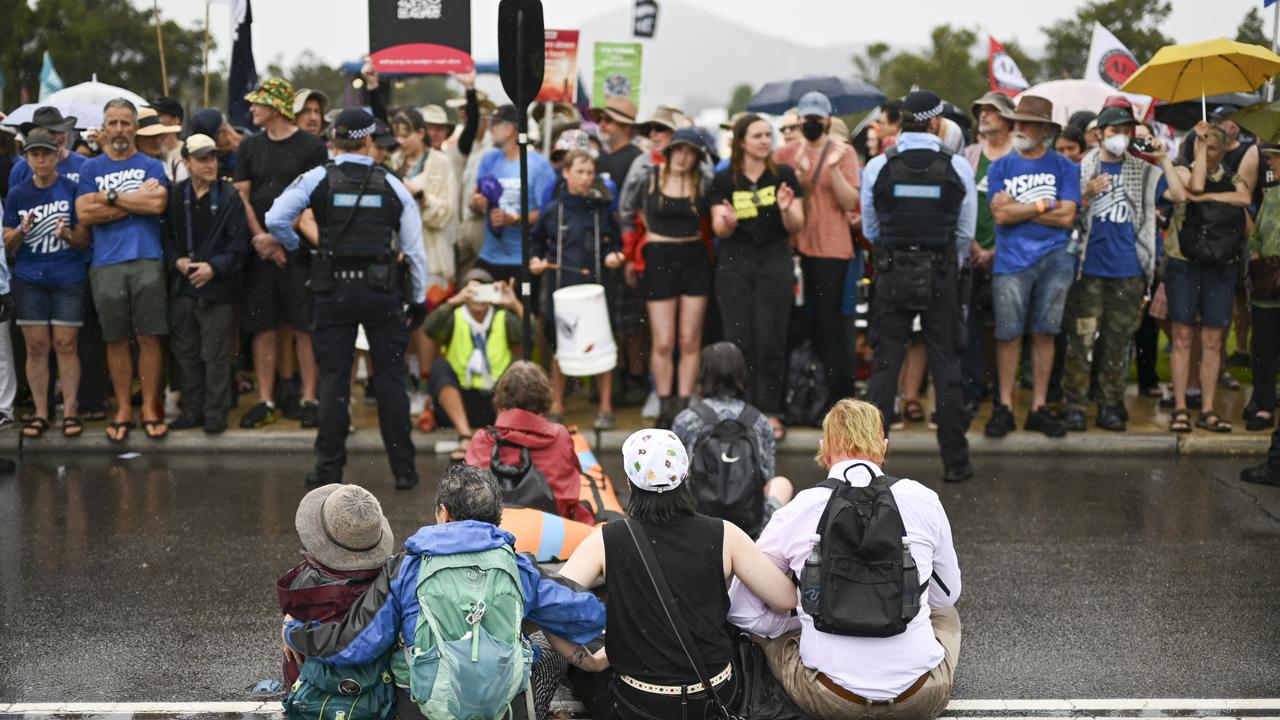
[1260, 475]
[651, 407]
[259, 415]
[186, 421]
[1074, 420]
[1111, 417]
[310, 413]
[1001, 422]
[406, 482]
[213, 425]
[1043, 421]
[957, 473]
[291, 407]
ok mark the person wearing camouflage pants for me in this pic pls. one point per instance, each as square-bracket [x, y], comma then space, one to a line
[1101, 317]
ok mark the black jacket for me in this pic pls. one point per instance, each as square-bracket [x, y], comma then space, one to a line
[225, 247]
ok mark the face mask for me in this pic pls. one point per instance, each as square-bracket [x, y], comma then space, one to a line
[1116, 144]
[812, 130]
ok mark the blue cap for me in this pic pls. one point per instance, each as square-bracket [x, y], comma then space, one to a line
[814, 104]
[206, 122]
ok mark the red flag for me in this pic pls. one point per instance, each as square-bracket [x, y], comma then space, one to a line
[1003, 71]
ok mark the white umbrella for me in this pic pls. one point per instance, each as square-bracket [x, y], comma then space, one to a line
[86, 115]
[1072, 96]
[93, 93]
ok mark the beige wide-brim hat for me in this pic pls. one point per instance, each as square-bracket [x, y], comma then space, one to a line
[343, 528]
[149, 124]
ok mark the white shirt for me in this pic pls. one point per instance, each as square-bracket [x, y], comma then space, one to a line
[875, 668]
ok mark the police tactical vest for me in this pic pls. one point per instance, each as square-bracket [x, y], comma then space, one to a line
[361, 215]
[918, 195]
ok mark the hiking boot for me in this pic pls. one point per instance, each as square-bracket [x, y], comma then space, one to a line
[258, 416]
[1260, 475]
[1001, 423]
[957, 473]
[1043, 421]
[406, 482]
[213, 425]
[1111, 417]
[1074, 419]
[186, 421]
[310, 414]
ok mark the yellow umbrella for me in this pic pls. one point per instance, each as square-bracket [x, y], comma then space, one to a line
[1186, 72]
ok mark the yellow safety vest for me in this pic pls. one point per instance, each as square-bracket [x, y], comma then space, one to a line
[497, 349]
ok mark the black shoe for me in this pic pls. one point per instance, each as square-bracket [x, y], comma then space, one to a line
[1195, 401]
[666, 412]
[314, 480]
[1043, 421]
[213, 425]
[7, 466]
[1001, 423]
[1074, 420]
[1111, 417]
[1250, 409]
[258, 415]
[186, 421]
[1238, 360]
[290, 407]
[310, 414]
[1256, 423]
[406, 482]
[1260, 475]
[957, 473]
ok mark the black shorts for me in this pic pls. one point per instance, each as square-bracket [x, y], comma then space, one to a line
[674, 269]
[274, 296]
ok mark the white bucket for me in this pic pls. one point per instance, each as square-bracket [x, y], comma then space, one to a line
[584, 339]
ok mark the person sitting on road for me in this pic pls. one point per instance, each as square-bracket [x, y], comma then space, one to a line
[910, 672]
[522, 399]
[723, 385]
[479, 332]
[468, 510]
[654, 678]
[331, 520]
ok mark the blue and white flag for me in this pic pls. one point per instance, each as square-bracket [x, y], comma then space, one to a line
[50, 83]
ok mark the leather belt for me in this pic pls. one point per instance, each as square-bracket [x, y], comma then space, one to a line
[854, 697]
[676, 689]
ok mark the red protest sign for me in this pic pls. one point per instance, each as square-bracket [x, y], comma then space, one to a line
[560, 78]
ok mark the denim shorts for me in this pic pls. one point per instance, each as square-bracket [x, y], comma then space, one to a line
[1031, 300]
[1199, 294]
[45, 305]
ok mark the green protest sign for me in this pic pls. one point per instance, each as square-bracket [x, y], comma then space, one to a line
[617, 72]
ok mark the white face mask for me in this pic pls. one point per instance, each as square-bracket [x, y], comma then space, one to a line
[1116, 144]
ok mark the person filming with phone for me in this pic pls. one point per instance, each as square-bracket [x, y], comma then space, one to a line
[478, 330]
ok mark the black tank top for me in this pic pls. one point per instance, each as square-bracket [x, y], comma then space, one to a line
[673, 217]
[639, 640]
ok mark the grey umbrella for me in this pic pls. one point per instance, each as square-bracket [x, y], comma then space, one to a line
[847, 95]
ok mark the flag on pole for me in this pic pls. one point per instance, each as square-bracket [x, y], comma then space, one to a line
[1109, 60]
[244, 73]
[1004, 72]
[50, 83]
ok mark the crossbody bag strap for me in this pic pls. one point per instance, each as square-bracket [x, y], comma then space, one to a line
[667, 601]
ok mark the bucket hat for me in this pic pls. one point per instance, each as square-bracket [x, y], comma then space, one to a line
[343, 528]
[275, 93]
[998, 100]
[50, 118]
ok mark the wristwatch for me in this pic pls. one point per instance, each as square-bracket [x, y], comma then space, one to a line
[111, 196]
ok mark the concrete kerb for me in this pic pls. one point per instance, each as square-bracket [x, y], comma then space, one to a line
[799, 441]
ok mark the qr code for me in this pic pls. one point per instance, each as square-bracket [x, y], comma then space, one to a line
[419, 9]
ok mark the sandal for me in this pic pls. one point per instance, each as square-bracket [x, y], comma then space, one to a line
[1228, 381]
[913, 411]
[35, 427]
[122, 428]
[149, 425]
[72, 427]
[1181, 422]
[93, 415]
[1213, 422]
[460, 455]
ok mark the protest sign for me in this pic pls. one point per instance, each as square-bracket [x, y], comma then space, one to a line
[560, 76]
[617, 72]
[420, 37]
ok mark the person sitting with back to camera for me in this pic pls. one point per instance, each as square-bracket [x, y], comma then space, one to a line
[479, 331]
[522, 399]
[720, 421]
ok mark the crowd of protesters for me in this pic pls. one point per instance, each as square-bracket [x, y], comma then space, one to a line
[1088, 240]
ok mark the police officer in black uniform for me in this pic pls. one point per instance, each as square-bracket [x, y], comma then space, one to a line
[370, 231]
[919, 208]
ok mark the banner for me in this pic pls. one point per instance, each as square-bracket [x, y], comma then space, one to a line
[1109, 60]
[617, 72]
[244, 73]
[420, 37]
[1003, 71]
[645, 18]
[50, 83]
[560, 78]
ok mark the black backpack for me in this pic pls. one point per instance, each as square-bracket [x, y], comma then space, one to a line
[1212, 233]
[725, 471]
[808, 393]
[866, 583]
[522, 484]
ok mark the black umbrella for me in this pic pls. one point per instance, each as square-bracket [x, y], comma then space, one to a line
[847, 95]
[1184, 115]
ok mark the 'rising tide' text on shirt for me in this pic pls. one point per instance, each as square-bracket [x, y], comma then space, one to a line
[122, 180]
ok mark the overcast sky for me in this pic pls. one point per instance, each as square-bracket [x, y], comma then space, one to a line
[337, 30]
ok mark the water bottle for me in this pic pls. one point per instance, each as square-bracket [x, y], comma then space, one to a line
[811, 578]
[911, 582]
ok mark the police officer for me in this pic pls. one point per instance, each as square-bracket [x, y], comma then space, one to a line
[919, 208]
[368, 225]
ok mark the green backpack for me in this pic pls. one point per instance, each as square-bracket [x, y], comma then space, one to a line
[335, 692]
[468, 660]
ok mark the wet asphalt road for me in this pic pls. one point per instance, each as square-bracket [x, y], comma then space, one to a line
[151, 579]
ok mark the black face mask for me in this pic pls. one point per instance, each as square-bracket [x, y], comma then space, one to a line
[812, 130]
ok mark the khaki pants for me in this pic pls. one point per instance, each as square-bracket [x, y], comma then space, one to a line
[814, 698]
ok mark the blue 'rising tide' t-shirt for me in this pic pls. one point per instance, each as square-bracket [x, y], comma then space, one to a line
[505, 249]
[68, 167]
[44, 258]
[1113, 249]
[134, 237]
[1048, 177]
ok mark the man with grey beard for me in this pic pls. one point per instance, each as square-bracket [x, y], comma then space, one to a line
[1034, 193]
